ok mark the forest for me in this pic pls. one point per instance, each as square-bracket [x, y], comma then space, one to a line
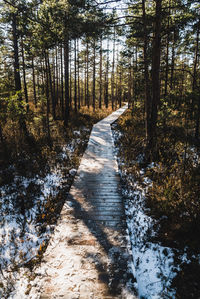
[64, 66]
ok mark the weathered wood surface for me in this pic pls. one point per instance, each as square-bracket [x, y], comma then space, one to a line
[87, 256]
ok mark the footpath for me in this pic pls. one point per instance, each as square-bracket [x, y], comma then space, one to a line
[87, 256]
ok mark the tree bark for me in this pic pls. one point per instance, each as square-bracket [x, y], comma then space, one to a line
[167, 59]
[155, 76]
[47, 96]
[61, 81]
[24, 75]
[87, 79]
[75, 78]
[34, 87]
[194, 85]
[172, 63]
[66, 66]
[17, 78]
[51, 89]
[106, 76]
[94, 75]
[148, 100]
[78, 67]
[113, 73]
[100, 75]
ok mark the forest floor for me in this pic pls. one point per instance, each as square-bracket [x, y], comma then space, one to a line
[34, 181]
[162, 206]
[161, 202]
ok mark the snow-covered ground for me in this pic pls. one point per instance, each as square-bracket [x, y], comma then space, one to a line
[153, 265]
[22, 231]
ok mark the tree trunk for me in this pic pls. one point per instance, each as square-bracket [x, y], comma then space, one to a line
[116, 80]
[51, 89]
[120, 88]
[85, 81]
[66, 65]
[94, 75]
[56, 78]
[100, 75]
[17, 78]
[61, 79]
[155, 75]
[194, 83]
[172, 63]
[87, 84]
[129, 83]
[47, 96]
[70, 75]
[24, 75]
[106, 76]
[78, 66]
[167, 59]
[148, 100]
[113, 73]
[34, 87]
[75, 78]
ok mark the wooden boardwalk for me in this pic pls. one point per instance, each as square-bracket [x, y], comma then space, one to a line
[87, 256]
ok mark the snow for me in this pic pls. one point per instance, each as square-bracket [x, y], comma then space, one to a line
[20, 235]
[72, 172]
[153, 268]
[153, 265]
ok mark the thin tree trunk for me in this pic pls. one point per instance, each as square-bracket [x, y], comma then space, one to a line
[136, 84]
[100, 75]
[113, 73]
[24, 75]
[120, 88]
[87, 85]
[17, 78]
[61, 79]
[129, 83]
[34, 87]
[78, 66]
[148, 101]
[94, 75]
[133, 85]
[167, 59]
[106, 77]
[155, 75]
[194, 83]
[66, 64]
[116, 80]
[53, 78]
[47, 96]
[75, 78]
[85, 81]
[56, 79]
[70, 74]
[51, 89]
[172, 63]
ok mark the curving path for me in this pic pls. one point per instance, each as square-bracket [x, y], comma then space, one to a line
[88, 256]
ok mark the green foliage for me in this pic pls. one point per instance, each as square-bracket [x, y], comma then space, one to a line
[16, 107]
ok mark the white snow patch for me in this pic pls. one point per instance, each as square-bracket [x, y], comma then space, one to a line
[72, 171]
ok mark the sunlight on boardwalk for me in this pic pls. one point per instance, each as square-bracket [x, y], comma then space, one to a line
[87, 256]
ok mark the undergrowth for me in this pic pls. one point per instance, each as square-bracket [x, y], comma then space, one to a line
[171, 184]
[31, 161]
[175, 176]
